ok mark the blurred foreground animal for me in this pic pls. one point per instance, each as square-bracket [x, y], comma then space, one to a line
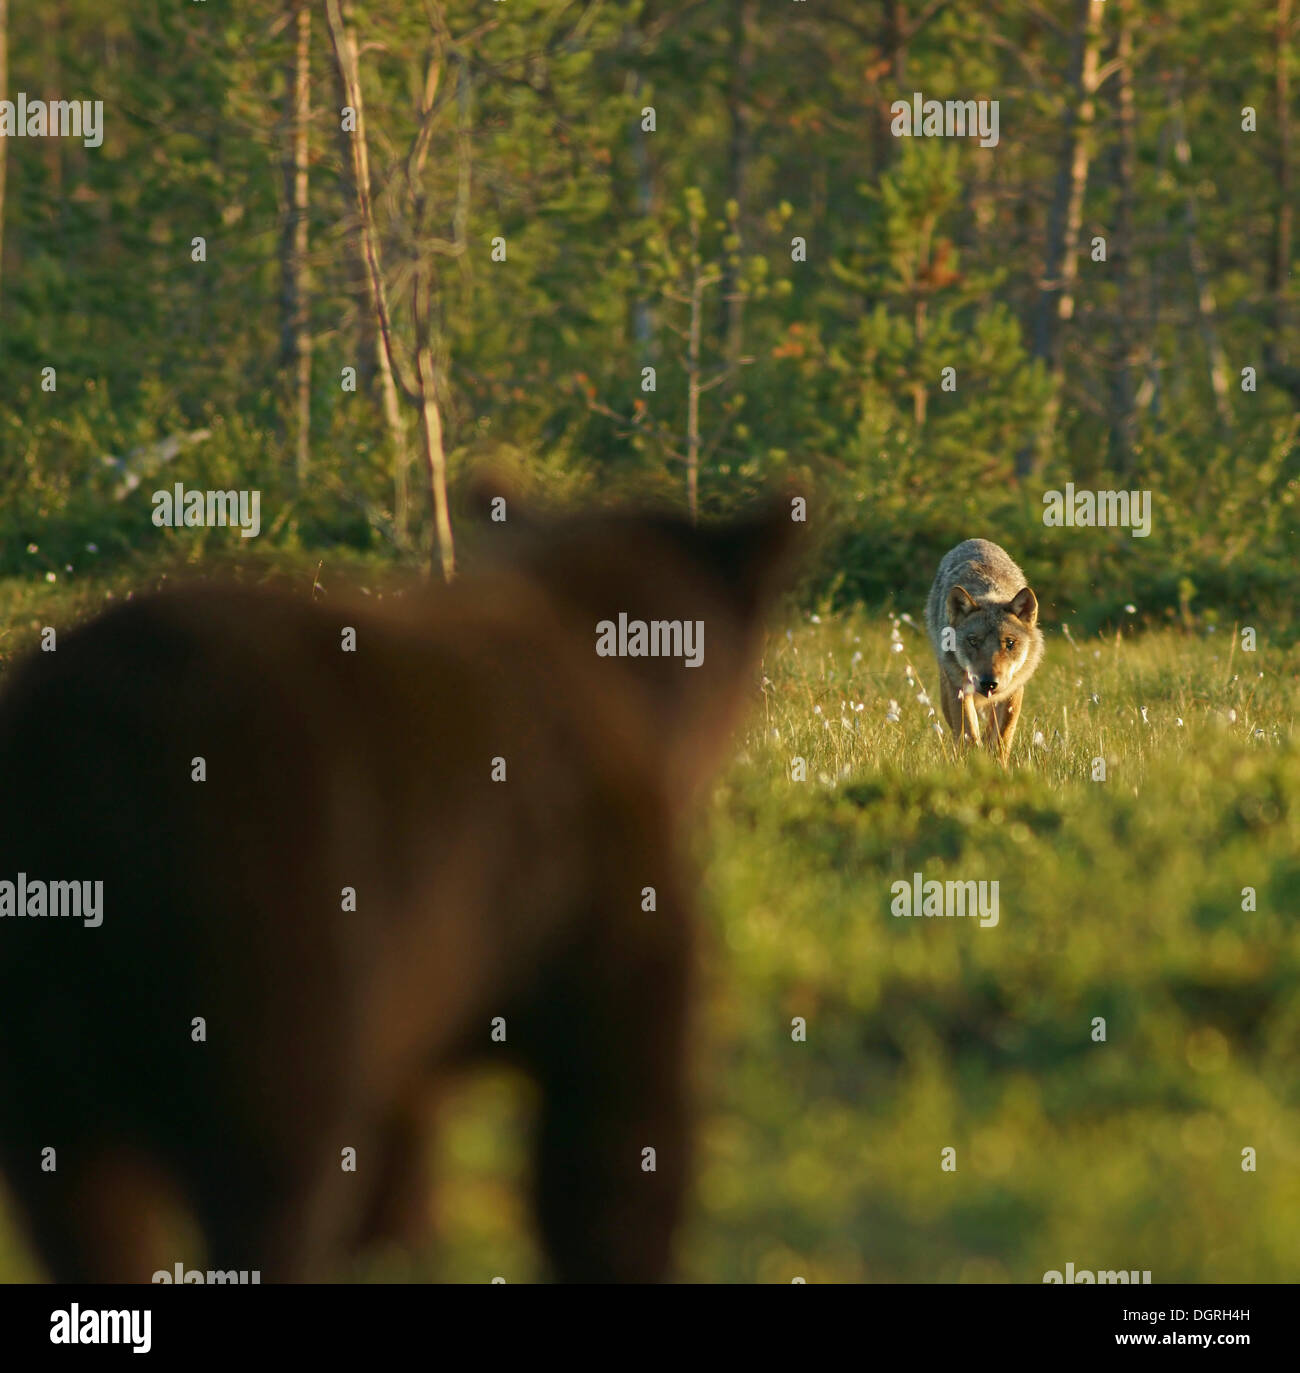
[982, 619]
[342, 848]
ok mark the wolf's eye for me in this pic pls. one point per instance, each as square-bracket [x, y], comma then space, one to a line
[1009, 645]
[972, 641]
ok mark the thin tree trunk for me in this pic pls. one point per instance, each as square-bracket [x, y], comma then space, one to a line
[1285, 205]
[1206, 310]
[739, 155]
[4, 142]
[1276, 351]
[1123, 258]
[367, 343]
[345, 54]
[1150, 396]
[464, 163]
[427, 327]
[643, 321]
[1061, 263]
[693, 378]
[894, 39]
[55, 18]
[295, 346]
[435, 457]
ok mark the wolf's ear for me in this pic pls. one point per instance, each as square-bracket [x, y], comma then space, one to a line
[1024, 606]
[960, 604]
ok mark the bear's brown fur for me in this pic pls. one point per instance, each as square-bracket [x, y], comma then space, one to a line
[475, 899]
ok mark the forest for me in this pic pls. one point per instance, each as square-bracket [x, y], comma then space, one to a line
[949, 270]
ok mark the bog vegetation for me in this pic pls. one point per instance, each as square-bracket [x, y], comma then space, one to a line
[674, 247]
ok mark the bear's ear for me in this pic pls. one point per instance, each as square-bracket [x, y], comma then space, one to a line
[1024, 606]
[960, 604]
[753, 553]
[493, 498]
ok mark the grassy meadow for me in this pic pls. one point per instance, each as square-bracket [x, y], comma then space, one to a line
[1120, 899]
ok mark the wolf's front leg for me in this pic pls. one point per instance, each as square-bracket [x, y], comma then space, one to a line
[950, 700]
[1005, 716]
[970, 719]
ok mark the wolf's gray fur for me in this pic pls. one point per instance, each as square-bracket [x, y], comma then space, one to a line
[985, 569]
[982, 595]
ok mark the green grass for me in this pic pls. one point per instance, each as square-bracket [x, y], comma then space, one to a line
[1119, 899]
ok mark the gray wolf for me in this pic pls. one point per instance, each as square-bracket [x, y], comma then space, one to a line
[982, 619]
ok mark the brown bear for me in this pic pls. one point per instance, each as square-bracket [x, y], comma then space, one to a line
[343, 846]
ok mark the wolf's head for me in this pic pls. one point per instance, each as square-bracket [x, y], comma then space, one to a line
[672, 612]
[999, 645]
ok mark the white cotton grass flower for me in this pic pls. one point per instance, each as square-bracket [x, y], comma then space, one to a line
[1096, 700]
[1232, 717]
[33, 548]
[938, 729]
[817, 710]
[816, 619]
[1131, 608]
[856, 659]
[1178, 720]
[906, 618]
[1143, 709]
[895, 636]
[895, 648]
[892, 714]
[1038, 740]
[51, 576]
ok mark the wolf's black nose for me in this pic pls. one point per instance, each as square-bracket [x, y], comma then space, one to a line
[988, 685]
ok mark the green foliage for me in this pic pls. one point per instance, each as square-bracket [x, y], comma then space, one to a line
[1123, 898]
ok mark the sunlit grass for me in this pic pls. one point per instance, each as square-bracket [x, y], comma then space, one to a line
[1120, 899]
